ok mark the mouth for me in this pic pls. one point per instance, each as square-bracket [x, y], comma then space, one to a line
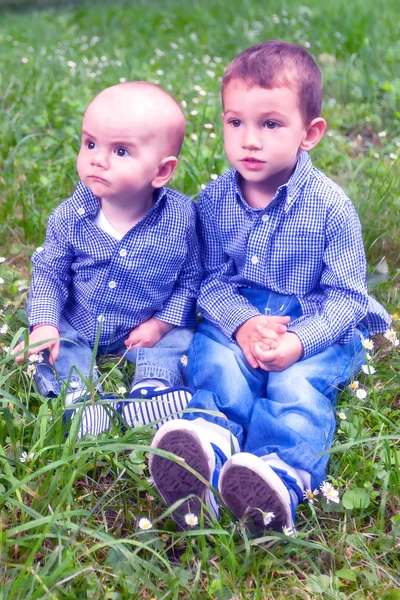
[97, 178]
[252, 160]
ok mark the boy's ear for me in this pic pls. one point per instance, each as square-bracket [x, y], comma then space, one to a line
[165, 171]
[314, 132]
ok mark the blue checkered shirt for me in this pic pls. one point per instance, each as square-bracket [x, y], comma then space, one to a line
[306, 242]
[90, 277]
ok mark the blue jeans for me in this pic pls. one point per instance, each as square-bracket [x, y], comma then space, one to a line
[73, 365]
[290, 413]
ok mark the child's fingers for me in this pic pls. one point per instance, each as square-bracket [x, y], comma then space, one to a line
[54, 351]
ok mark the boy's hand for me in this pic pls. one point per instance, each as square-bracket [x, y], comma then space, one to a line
[147, 334]
[47, 336]
[248, 334]
[289, 350]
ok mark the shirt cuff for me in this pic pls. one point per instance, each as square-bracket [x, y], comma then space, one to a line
[313, 334]
[179, 311]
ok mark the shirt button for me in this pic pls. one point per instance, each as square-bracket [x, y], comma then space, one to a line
[112, 285]
[264, 218]
[122, 252]
[254, 260]
[81, 211]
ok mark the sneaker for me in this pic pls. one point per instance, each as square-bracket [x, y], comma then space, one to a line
[254, 492]
[175, 482]
[155, 405]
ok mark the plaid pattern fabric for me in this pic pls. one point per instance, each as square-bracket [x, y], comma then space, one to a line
[306, 242]
[92, 278]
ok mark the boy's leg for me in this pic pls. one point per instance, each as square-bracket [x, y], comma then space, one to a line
[225, 385]
[71, 368]
[158, 394]
[287, 432]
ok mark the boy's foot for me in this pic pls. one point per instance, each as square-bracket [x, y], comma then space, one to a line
[155, 405]
[174, 481]
[254, 492]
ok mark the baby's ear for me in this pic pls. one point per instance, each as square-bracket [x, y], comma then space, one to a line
[313, 134]
[166, 169]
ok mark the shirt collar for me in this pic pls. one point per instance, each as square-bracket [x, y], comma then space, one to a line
[86, 204]
[290, 190]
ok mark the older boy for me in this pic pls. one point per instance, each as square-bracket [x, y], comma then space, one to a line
[277, 238]
[119, 269]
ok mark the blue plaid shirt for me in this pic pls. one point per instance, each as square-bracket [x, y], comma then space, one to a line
[90, 277]
[306, 242]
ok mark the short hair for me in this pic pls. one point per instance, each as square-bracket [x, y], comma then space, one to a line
[280, 64]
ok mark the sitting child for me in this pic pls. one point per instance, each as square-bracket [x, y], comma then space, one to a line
[120, 268]
[277, 237]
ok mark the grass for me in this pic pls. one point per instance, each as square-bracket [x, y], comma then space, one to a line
[69, 510]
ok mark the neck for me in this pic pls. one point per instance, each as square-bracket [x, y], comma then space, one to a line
[124, 215]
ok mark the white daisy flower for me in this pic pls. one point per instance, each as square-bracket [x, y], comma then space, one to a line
[3, 328]
[121, 390]
[184, 360]
[361, 394]
[145, 524]
[354, 385]
[289, 531]
[194, 137]
[191, 519]
[342, 415]
[368, 344]
[25, 456]
[368, 369]
[310, 495]
[391, 336]
[2, 259]
[208, 125]
[74, 385]
[329, 492]
[1, 280]
[36, 358]
[213, 176]
[30, 370]
[267, 517]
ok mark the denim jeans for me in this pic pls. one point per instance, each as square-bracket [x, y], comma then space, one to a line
[290, 414]
[73, 364]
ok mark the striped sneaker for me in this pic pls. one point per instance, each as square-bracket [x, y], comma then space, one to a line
[174, 481]
[152, 405]
[263, 497]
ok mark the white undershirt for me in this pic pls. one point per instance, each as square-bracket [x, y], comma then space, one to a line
[104, 224]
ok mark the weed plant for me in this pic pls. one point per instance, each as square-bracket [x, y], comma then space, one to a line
[79, 519]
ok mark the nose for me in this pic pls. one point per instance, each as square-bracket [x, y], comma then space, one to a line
[99, 158]
[250, 139]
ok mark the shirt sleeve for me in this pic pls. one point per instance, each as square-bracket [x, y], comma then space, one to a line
[180, 308]
[219, 299]
[342, 286]
[50, 276]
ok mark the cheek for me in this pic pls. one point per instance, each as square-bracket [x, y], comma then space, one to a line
[80, 162]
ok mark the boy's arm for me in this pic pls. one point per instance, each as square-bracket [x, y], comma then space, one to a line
[219, 299]
[180, 308]
[342, 285]
[50, 275]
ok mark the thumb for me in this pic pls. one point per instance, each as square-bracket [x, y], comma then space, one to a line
[54, 352]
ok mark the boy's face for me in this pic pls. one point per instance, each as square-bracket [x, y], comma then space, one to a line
[121, 148]
[264, 133]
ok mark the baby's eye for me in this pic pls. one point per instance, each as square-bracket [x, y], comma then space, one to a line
[90, 145]
[270, 124]
[235, 123]
[121, 151]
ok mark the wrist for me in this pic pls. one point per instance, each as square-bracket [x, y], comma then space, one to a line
[45, 325]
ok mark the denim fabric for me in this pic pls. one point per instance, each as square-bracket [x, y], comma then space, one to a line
[73, 364]
[290, 413]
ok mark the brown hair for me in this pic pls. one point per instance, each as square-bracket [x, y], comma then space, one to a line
[280, 64]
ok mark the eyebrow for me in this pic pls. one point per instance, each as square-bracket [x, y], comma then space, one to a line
[267, 114]
[117, 141]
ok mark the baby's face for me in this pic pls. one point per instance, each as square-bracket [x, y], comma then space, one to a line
[121, 148]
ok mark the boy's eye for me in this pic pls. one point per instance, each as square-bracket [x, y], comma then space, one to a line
[121, 151]
[235, 123]
[270, 124]
[90, 145]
